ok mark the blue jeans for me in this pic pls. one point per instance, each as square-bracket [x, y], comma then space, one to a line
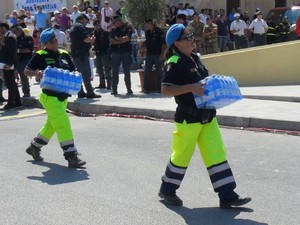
[116, 60]
[24, 79]
[150, 61]
[222, 41]
[103, 68]
[1, 86]
[83, 66]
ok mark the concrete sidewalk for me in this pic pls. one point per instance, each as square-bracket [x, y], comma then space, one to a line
[274, 107]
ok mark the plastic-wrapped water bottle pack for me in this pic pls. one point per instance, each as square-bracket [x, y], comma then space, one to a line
[60, 80]
[220, 91]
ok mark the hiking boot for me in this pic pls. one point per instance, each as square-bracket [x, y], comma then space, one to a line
[102, 86]
[94, 95]
[114, 92]
[26, 95]
[3, 99]
[129, 92]
[171, 199]
[81, 94]
[18, 105]
[75, 162]
[8, 107]
[236, 201]
[35, 152]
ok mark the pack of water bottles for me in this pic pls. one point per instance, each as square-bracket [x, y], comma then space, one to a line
[60, 80]
[220, 91]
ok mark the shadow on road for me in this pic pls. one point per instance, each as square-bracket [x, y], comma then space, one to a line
[58, 174]
[213, 216]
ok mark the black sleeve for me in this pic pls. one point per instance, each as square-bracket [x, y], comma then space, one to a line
[71, 64]
[30, 43]
[81, 32]
[12, 45]
[172, 74]
[35, 63]
[128, 31]
[112, 34]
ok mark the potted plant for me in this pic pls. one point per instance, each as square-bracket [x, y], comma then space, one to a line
[138, 11]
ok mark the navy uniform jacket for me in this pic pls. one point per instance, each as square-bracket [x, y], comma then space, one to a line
[121, 31]
[9, 50]
[154, 41]
[46, 57]
[182, 70]
[25, 42]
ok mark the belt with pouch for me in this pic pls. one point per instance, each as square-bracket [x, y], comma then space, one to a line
[59, 95]
[204, 115]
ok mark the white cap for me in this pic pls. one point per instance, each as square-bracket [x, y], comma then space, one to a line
[236, 15]
[56, 12]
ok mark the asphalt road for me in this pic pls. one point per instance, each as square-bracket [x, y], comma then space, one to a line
[125, 161]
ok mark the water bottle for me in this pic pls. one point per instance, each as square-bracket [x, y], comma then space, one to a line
[200, 103]
[72, 83]
[78, 82]
[59, 80]
[209, 92]
[65, 81]
[45, 79]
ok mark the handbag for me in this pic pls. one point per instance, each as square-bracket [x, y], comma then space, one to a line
[106, 18]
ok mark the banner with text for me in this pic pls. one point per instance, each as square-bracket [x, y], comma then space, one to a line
[47, 5]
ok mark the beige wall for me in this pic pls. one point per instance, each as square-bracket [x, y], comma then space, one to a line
[276, 64]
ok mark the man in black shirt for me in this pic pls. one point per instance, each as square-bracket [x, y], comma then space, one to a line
[9, 58]
[154, 46]
[25, 50]
[101, 48]
[120, 37]
[80, 52]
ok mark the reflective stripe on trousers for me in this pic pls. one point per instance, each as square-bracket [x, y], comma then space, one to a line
[209, 140]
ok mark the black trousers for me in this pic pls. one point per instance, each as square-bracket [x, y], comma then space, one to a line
[13, 91]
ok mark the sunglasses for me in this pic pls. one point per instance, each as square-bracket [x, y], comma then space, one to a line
[52, 41]
[188, 37]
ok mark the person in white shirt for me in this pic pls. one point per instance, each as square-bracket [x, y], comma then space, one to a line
[92, 18]
[181, 10]
[203, 16]
[259, 27]
[189, 12]
[106, 16]
[238, 29]
[55, 18]
[75, 14]
[60, 36]
[29, 22]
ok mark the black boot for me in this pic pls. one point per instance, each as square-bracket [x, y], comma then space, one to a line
[75, 162]
[235, 201]
[35, 152]
[171, 199]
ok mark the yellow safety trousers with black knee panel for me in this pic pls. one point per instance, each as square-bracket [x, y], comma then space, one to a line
[209, 140]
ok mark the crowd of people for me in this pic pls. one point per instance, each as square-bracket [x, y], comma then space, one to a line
[106, 35]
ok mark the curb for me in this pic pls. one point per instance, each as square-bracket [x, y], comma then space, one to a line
[233, 121]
